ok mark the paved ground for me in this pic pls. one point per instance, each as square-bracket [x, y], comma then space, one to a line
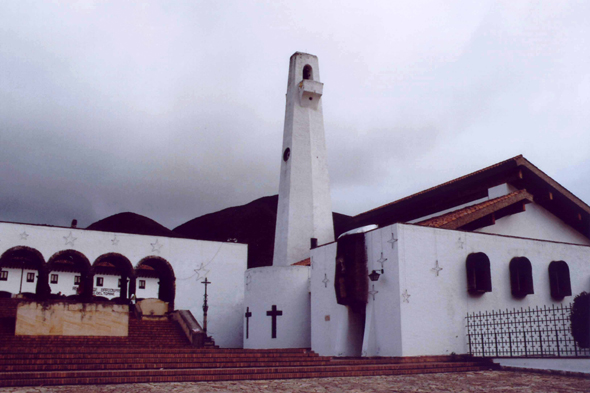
[482, 381]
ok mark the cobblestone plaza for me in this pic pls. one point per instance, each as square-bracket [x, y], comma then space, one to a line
[481, 381]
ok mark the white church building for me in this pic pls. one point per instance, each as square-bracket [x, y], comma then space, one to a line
[401, 282]
[403, 279]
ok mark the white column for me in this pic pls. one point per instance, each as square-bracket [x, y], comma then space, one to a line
[305, 207]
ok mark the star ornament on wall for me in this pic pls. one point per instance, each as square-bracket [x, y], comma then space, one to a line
[406, 296]
[248, 280]
[436, 269]
[381, 260]
[326, 280]
[70, 239]
[115, 241]
[24, 235]
[201, 271]
[373, 292]
[460, 243]
[392, 241]
[156, 247]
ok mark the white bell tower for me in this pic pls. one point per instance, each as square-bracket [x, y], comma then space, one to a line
[305, 208]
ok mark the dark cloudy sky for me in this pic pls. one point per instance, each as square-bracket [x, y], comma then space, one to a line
[174, 109]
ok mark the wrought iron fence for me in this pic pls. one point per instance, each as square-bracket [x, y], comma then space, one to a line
[531, 332]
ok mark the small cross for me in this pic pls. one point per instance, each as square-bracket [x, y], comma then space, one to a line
[460, 243]
[274, 313]
[248, 314]
[373, 292]
[436, 269]
[326, 280]
[406, 296]
[248, 280]
[393, 240]
[381, 260]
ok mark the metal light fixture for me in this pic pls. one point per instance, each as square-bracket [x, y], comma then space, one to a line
[374, 276]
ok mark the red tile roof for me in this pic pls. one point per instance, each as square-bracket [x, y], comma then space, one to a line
[487, 207]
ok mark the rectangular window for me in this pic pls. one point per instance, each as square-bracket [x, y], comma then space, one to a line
[54, 278]
[141, 284]
[77, 280]
[99, 281]
[4, 275]
[30, 277]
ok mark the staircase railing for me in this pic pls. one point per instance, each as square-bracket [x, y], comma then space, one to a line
[190, 327]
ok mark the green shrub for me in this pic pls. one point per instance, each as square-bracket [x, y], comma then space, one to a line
[580, 319]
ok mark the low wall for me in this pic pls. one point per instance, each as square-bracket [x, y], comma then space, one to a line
[567, 365]
[71, 319]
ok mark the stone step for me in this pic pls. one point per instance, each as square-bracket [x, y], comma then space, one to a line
[160, 350]
[193, 375]
[155, 365]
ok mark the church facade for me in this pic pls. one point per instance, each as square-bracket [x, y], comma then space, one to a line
[400, 282]
[403, 279]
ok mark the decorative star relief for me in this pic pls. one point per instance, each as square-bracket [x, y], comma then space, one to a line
[115, 241]
[406, 296]
[381, 260]
[373, 292]
[392, 241]
[436, 269]
[24, 235]
[156, 247]
[326, 280]
[202, 271]
[70, 239]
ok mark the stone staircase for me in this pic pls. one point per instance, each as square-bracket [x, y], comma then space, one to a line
[157, 351]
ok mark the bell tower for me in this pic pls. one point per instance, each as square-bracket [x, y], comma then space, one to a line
[305, 208]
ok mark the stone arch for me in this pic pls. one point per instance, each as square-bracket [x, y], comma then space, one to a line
[72, 260]
[117, 264]
[307, 72]
[165, 272]
[28, 257]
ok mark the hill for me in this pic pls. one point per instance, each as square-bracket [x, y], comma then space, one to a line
[253, 223]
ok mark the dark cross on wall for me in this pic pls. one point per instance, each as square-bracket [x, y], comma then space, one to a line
[248, 314]
[274, 313]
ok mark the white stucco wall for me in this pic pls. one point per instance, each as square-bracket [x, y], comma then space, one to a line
[13, 282]
[287, 288]
[430, 320]
[222, 263]
[152, 286]
[536, 222]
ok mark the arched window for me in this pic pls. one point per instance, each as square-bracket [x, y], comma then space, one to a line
[307, 72]
[559, 280]
[521, 277]
[479, 278]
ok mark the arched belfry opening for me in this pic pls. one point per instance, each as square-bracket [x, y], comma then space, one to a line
[120, 268]
[25, 261]
[154, 266]
[68, 265]
[307, 72]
